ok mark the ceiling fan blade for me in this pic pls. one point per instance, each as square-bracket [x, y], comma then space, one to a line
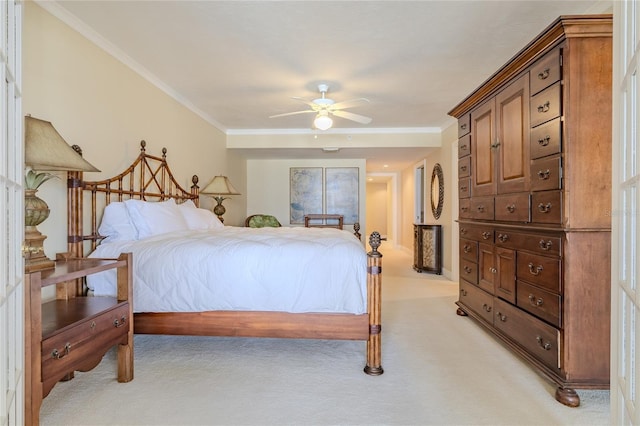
[349, 104]
[291, 113]
[353, 117]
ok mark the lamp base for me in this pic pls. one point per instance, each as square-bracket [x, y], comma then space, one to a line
[219, 209]
[33, 251]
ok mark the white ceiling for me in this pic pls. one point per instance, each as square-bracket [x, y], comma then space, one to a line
[236, 63]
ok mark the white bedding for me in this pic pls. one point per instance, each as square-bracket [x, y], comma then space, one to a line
[289, 269]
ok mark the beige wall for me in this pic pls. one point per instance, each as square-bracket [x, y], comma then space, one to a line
[95, 101]
[268, 185]
[378, 202]
[447, 157]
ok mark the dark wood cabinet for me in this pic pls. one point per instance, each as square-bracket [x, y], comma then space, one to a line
[427, 248]
[72, 333]
[534, 223]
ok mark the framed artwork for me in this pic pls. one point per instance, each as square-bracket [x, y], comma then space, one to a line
[305, 192]
[342, 192]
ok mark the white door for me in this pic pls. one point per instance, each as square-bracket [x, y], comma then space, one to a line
[11, 218]
[625, 297]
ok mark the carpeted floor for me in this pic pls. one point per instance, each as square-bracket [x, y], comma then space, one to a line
[440, 369]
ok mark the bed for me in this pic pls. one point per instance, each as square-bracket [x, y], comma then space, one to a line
[237, 256]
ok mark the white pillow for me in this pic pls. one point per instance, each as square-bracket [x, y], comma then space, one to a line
[198, 219]
[155, 218]
[116, 224]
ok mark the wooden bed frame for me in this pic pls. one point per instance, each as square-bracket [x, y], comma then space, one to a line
[149, 178]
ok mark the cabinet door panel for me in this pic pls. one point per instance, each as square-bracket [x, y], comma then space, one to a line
[505, 285]
[482, 147]
[512, 127]
[486, 268]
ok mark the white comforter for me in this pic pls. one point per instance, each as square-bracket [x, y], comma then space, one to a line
[289, 269]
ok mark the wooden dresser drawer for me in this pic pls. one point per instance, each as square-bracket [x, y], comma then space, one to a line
[477, 300]
[542, 271]
[464, 125]
[481, 208]
[545, 106]
[512, 207]
[477, 233]
[538, 338]
[546, 207]
[464, 208]
[469, 271]
[464, 146]
[545, 72]
[464, 188]
[546, 139]
[546, 174]
[64, 351]
[543, 244]
[468, 250]
[464, 167]
[539, 302]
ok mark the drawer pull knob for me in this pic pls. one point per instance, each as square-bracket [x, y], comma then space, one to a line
[502, 317]
[543, 75]
[467, 269]
[544, 345]
[503, 237]
[545, 245]
[480, 208]
[463, 231]
[466, 248]
[463, 126]
[464, 209]
[486, 235]
[544, 108]
[544, 208]
[534, 301]
[535, 270]
[463, 292]
[55, 354]
[119, 323]
[544, 141]
[511, 208]
[463, 168]
[463, 188]
[544, 175]
[493, 270]
[463, 147]
[486, 307]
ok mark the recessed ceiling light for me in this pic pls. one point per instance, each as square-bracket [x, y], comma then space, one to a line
[385, 166]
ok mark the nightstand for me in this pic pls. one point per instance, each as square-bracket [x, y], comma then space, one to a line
[73, 333]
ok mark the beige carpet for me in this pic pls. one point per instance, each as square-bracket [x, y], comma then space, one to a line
[440, 369]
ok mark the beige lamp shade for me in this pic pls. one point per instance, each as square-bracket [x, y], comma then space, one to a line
[220, 185]
[45, 149]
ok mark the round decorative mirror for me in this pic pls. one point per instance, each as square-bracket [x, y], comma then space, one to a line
[437, 190]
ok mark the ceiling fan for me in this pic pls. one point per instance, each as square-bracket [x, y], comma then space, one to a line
[325, 108]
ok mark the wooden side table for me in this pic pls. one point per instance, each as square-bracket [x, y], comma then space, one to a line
[325, 221]
[72, 334]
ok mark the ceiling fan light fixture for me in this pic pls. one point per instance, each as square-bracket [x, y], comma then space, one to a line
[323, 121]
